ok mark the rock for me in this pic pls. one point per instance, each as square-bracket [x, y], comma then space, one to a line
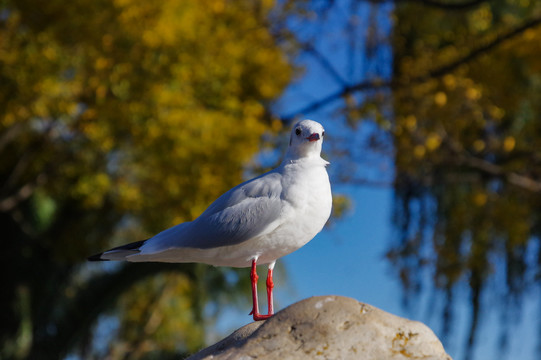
[329, 327]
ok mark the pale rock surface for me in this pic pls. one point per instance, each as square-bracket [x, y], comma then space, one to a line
[329, 327]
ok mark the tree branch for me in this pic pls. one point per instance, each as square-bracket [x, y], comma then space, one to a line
[480, 50]
[463, 157]
[24, 192]
[100, 293]
[489, 168]
[384, 184]
[437, 4]
[346, 90]
[309, 48]
[10, 134]
[398, 83]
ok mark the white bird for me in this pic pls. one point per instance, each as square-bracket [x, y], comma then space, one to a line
[256, 222]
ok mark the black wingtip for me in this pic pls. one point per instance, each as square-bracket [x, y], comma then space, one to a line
[131, 246]
[96, 257]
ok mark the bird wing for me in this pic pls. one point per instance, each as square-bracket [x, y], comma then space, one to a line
[246, 211]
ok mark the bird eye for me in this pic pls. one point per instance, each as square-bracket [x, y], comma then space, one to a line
[298, 131]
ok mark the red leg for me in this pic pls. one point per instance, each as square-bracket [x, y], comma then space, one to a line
[255, 310]
[254, 278]
[270, 286]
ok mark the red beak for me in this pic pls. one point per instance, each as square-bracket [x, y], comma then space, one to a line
[313, 137]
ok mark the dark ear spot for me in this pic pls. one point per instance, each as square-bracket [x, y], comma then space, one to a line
[297, 131]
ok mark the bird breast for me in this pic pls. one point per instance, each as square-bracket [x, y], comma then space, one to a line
[307, 203]
[308, 194]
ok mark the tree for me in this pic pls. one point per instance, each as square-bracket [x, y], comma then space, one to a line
[119, 119]
[458, 116]
[466, 103]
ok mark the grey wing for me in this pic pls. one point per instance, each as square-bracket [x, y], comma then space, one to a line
[246, 211]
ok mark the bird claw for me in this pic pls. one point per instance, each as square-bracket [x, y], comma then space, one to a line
[259, 317]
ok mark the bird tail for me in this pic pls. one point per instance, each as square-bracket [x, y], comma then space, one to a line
[119, 253]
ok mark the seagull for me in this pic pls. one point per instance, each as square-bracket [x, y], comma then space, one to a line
[256, 222]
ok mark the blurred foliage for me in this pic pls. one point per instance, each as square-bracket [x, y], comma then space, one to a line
[459, 116]
[466, 101]
[119, 119]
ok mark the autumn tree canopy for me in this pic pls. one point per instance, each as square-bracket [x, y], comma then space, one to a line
[466, 132]
[119, 119]
[458, 115]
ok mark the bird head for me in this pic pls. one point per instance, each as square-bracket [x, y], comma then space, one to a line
[306, 139]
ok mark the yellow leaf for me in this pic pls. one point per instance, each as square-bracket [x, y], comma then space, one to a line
[410, 122]
[509, 143]
[479, 145]
[433, 141]
[419, 151]
[480, 198]
[440, 98]
[449, 81]
[101, 63]
[473, 93]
